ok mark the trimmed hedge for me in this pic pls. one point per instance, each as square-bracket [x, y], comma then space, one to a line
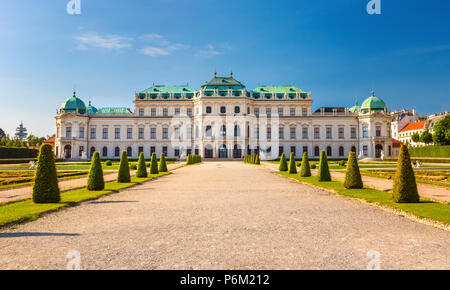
[45, 187]
[292, 165]
[430, 151]
[141, 168]
[283, 163]
[154, 164]
[123, 175]
[252, 159]
[15, 152]
[324, 171]
[305, 170]
[405, 187]
[162, 163]
[95, 178]
[352, 174]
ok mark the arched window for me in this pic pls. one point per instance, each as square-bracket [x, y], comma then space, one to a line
[237, 131]
[223, 131]
[129, 151]
[341, 151]
[208, 131]
[237, 110]
[329, 151]
[105, 151]
[92, 151]
[117, 151]
[316, 151]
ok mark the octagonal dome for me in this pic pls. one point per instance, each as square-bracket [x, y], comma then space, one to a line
[74, 103]
[373, 104]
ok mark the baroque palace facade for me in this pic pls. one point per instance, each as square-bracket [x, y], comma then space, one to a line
[223, 120]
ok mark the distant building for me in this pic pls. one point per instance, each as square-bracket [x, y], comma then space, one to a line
[50, 141]
[21, 132]
[411, 129]
[400, 119]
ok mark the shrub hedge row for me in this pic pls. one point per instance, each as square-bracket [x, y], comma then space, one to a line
[12, 152]
[430, 151]
[193, 159]
[252, 159]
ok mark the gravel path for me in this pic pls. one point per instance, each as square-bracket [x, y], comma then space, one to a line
[24, 192]
[224, 215]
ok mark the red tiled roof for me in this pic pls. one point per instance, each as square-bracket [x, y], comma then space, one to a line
[414, 126]
[395, 143]
[50, 141]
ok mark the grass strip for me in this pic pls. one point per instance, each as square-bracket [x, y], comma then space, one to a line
[424, 209]
[26, 211]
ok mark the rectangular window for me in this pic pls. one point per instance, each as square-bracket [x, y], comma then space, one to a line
[177, 152]
[165, 133]
[292, 133]
[153, 133]
[341, 133]
[105, 133]
[177, 111]
[317, 133]
[281, 133]
[353, 133]
[140, 149]
[268, 112]
[280, 112]
[189, 133]
[188, 151]
[305, 112]
[365, 132]
[189, 112]
[269, 133]
[280, 151]
[305, 149]
[141, 133]
[152, 149]
[177, 133]
[129, 133]
[329, 135]
[378, 131]
[80, 152]
[365, 150]
[165, 112]
[68, 132]
[117, 133]
[305, 132]
[141, 112]
[257, 132]
[93, 133]
[153, 112]
[165, 150]
[293, 150]
[292, 112]
[81, 132]
[257, 112]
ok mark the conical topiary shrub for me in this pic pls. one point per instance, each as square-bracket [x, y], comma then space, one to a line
[141, 168]
[324, 171]
[352, 174]
[154, 164]
[292, 166]
[257, 161]
[95, 179]
[305, 170]
[124, 169]
[45, 187]
[283, 163]
[162, 163]
[405, 187]
[188, 160]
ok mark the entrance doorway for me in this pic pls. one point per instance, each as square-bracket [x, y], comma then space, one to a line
[68, 152]
[223, 151]
[208, 152]
[237, 152]
[378, 150]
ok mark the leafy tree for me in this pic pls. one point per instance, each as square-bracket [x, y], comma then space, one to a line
[283, 163]
[154, 164]
[426, 137]
[162, 163]
[45, 187]
[2, 133]
[292, 166]
[415, 137]
[405, 187]
[324, 171]
[124, 169]
[95, 178]
[305, 170]
[141, 168]
[441, 135]
[352, 174]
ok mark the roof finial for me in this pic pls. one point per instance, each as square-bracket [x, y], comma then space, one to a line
[373, 93]
[231, 73]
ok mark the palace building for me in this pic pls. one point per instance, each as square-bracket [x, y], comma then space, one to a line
[223, 119]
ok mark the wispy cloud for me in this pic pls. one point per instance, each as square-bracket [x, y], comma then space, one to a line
[160, 46]
[93, 39]
[213, 50]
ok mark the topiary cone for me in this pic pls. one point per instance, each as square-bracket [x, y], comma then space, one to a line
[124, 169]
[352, 175]
[141, 167]
[283, 163]
[45, 187]
[257, 161]
[188, 160]
[154, 164]
[405, 187]
[95, 178]
[292, 166]
[162, 163]
[324, 171]
[305, 170]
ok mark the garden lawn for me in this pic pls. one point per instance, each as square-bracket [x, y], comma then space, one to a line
[424, 209]
[26, 211]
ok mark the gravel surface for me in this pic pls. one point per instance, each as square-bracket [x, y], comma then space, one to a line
[224, 215]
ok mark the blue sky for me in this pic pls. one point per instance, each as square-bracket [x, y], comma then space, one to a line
[332, 48]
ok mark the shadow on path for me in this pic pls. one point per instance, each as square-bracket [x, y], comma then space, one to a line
[36, 234]
[112, 201]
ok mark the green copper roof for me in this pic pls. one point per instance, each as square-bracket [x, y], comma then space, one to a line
[355, 109]
[167, 90]
[91, 109]
[223, 82]
[74, 103]
[277, 89]
[373, 103]
[111, 110]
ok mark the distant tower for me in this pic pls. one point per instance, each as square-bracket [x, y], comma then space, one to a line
[21, 132]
